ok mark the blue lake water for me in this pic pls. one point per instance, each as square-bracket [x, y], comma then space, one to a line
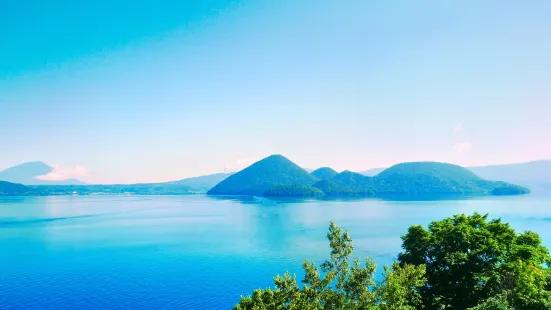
[198, 252]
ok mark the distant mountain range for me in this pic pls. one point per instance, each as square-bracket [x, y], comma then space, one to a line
[195, 185]
[27, 174]
[199, 184]
[535, 175]
[278, 176]
[21, 180]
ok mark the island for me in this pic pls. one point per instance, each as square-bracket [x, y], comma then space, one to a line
[277, 176]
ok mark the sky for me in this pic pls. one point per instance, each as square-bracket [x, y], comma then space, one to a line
[146, 91]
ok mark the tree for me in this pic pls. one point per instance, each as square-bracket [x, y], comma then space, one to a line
[462, 262]
[398, 289]
[341, 283]
[470, 259]
[494, 303]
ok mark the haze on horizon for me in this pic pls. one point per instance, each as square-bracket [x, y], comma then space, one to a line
[162, 90]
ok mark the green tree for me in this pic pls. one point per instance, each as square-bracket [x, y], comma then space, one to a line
[341, 283]
[493, 303]
[524, 286]
[470, 259]
[397, 290]
[548, 278]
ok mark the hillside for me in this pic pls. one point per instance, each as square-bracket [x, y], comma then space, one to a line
[27, 174]
[324, 173]
[432, 178]
[417, 179]
[14, 189]
[333, 189]
[202, 183]
[188, 186]
[293, 191]
[535, 175]
[347, 183]
[261, 176]
[372, 172]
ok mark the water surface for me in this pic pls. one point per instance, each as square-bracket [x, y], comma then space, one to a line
[198, 252]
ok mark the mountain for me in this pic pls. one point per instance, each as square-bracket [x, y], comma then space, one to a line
[27, 174]
[14, 189]
[278, 176]
[323, 173]
[535, 175]
[263, 175]
[195, 185]
[372, 172]
[188, 186]
[432, 178]
[346, 183]
[201, 183]
[416, 179]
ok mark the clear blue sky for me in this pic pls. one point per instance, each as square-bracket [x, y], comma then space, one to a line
[161, 90]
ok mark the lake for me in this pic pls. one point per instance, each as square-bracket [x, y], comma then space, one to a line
[199, 252]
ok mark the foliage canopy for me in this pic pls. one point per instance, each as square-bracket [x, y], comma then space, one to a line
[341, 283]
[461, 262]
[470, 259]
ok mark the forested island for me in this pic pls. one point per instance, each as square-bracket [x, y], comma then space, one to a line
[278, 176]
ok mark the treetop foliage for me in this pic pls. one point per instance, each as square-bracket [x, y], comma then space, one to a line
[461, 262]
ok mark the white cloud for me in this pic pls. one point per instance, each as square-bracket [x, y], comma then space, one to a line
[239, 164]
[463, 147]
[64, 173]
[458, 127]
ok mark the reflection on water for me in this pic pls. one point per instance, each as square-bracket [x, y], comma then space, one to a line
[138, 252]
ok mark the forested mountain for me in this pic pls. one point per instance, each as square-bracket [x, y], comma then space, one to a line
[535, 175]
[276, 175]
[324, 173]
[261, 176]
[432, 178]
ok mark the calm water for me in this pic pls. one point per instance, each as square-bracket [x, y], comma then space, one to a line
[197, 252]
